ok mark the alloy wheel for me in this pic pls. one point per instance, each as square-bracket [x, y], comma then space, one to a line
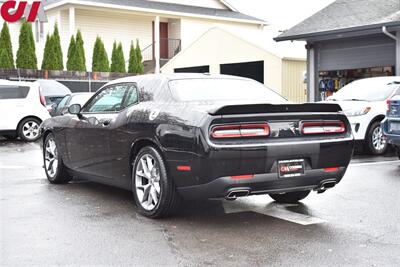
[147, 182]
[51, 158]
[30, 130]
[378, 141]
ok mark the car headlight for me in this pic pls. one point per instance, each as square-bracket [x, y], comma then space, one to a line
[357, 112]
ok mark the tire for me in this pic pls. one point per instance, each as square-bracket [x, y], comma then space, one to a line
[54, 168]
[28, 129]
[398, 151]
[375, 141]
[154, 191]
[290, 197]
[10, 137]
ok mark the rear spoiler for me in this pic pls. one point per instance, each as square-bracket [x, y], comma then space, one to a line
[280, 108]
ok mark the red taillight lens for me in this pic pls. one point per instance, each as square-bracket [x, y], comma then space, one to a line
[241, 130]
[388, 104]
[322, 127]
[42, 99]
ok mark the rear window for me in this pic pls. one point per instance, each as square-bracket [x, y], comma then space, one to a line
[13, 92]
[224, 90]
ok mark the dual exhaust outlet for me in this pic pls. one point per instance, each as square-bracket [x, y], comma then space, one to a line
[242, 192]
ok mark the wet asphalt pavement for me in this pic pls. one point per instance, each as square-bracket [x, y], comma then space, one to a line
[86, 224]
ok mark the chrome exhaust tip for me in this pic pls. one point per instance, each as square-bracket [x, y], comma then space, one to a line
[232, 195]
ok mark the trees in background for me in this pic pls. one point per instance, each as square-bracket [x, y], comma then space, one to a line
[117, 58]
[52, 55]
[76, 60]
[100, 61]
[6, 53]
[26, 55]
[135, 59]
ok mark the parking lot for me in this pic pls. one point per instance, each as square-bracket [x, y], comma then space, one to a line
[83, 223]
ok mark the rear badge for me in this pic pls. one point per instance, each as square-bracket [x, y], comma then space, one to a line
[290, 168]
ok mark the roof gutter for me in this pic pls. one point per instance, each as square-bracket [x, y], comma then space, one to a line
[385, 31]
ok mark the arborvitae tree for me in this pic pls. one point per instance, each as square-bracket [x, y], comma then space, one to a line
[132, 67]
[114, 58]
[71, 65]
[58, 63]
[26, 56]
[117, 59]
[100, 61]
[80, 59]
[5, 44]
[140, 66]
[5, 60]
[48, 54]
[121, 59]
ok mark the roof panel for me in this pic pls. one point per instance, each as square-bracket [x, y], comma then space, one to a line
[345, 14]
[214, 12]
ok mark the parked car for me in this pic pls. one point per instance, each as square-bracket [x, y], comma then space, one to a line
[198, 136]
[391, 124]
[53, 92]
[365, 103]
[68, 100]
[23, 108]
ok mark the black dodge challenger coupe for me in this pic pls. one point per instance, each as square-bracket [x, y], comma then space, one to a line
[168, 137]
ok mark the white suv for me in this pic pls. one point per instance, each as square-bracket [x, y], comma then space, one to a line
[22, 110]
[365, 103]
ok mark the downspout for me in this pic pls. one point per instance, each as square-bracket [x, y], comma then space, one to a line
[385, 31]
[397, 39]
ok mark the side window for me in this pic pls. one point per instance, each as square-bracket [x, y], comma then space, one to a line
[108, 100]
[13, 92]
[131, 95]
[62, 103]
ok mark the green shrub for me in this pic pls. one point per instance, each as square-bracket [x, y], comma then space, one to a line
[26, 56]
[5, 44]
[100, 61]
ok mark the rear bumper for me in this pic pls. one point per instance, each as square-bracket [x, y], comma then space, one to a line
[262, 184]
[392, 138]
[210, 172]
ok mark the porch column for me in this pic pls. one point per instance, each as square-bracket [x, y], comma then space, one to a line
[71, 21]
[398, 53]
[157, 44]
[312, 73]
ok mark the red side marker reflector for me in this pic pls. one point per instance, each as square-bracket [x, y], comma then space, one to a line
[248, 176]
[184, 168]
[331, 169]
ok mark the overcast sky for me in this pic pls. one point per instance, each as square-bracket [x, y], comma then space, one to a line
[280, 15]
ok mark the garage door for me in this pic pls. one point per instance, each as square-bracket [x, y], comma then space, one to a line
[376, 51]
[197, 69]
[253, 70]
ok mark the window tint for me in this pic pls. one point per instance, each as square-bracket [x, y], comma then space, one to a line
[13, 92]
[108, 100]
[131, 96]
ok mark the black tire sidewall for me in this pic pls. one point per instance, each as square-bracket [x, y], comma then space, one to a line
[165, 184]
[20, 133]
[369, 142]
[59, 166]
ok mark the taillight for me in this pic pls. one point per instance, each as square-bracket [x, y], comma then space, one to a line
[240, 130]
[42, 99]
[388, 104]
[322, 127]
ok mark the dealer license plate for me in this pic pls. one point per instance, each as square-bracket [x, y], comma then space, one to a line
[291, 168]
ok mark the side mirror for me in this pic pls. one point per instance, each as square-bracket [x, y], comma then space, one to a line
[75, 109]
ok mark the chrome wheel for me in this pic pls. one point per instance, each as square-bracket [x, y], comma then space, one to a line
[147, 182]
[30, 130]
[378, 141]
[51, 158]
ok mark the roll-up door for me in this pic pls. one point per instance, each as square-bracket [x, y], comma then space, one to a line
[344, 54]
